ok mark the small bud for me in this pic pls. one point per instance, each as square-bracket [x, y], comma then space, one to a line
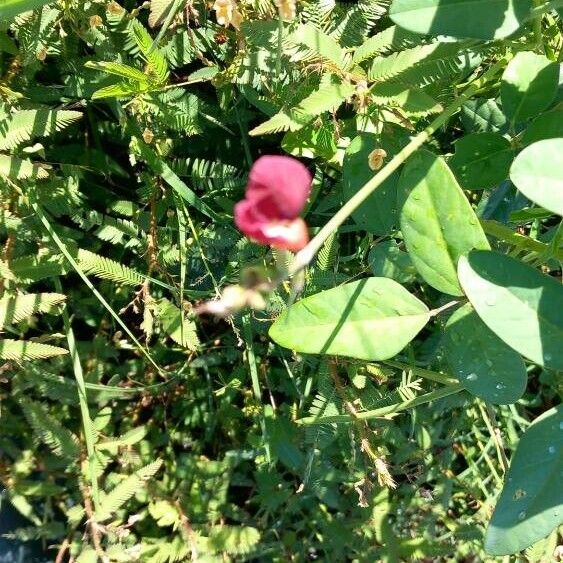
[375, 159]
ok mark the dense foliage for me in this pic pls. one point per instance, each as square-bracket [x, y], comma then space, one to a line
[392, 391]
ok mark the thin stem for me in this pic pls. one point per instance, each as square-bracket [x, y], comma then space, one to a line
[537, 28]
[252, 367]
[306, 255]
[87, 425]
[489, 417]
[280, 42]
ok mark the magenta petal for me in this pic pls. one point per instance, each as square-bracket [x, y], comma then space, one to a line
[283, 179]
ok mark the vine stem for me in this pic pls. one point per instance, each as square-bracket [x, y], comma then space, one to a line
[304, 256]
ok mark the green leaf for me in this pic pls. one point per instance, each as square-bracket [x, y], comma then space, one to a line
[529, 85]
[437, 221]
[477, 19]
[484, 364]
[24, 125]
[158, 166]
[378, 213]
[122, 492]
[49, 430]
[548, 125]
[18, 169]
[391, 39]
[119, 69]
[15, 309]
[11, 8]
[176, 325]
[312, 43]
[518, 303]
[483, 116]
[411, 99]
[388, 260]
[481, 160]
[538, 174]
[371, 319]
[531, 503]
[20, 350]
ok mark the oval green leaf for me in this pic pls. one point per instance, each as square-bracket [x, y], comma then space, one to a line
[483, 116]
[437, 221]
[378, 213]
[537, 172]
[481, 160]
[386, 259]
[484, 364]
[529, 85]
[548, 125]
[531, 502]
[477, 19]
[371, 319]
[518, 303]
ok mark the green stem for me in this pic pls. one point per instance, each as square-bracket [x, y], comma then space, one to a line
[252, 367]
[98, 295]
[520, 241]
[385, 411]
[537, 27]
[280, 43]
[87, 425]
[303, 257]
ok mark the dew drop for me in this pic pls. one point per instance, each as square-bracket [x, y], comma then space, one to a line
[521, 515]
[551, 449]
[490, 301]
[472, 377]
[500, 386]
[547, 357]
[489, 363]
[561, 425]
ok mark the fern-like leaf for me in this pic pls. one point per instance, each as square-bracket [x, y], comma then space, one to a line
[122, 492]
[20, 350]
[107, 269]
[49, 430]
[20, 169]
[15, 309]
[27, 124]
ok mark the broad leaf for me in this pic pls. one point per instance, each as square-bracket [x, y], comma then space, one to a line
[386, 259]
[531, 503]
[484, 364]
[437, 221]
[481, 160]
[11, 8]
[529, 85]
[548, 125]
[519, 304]
[371, 319]
[483, 116]
[478, 19]
[378, 213]
[538, 174]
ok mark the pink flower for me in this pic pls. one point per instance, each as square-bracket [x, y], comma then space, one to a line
[277, 190]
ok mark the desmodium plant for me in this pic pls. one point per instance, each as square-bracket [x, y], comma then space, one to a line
[281, 279]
